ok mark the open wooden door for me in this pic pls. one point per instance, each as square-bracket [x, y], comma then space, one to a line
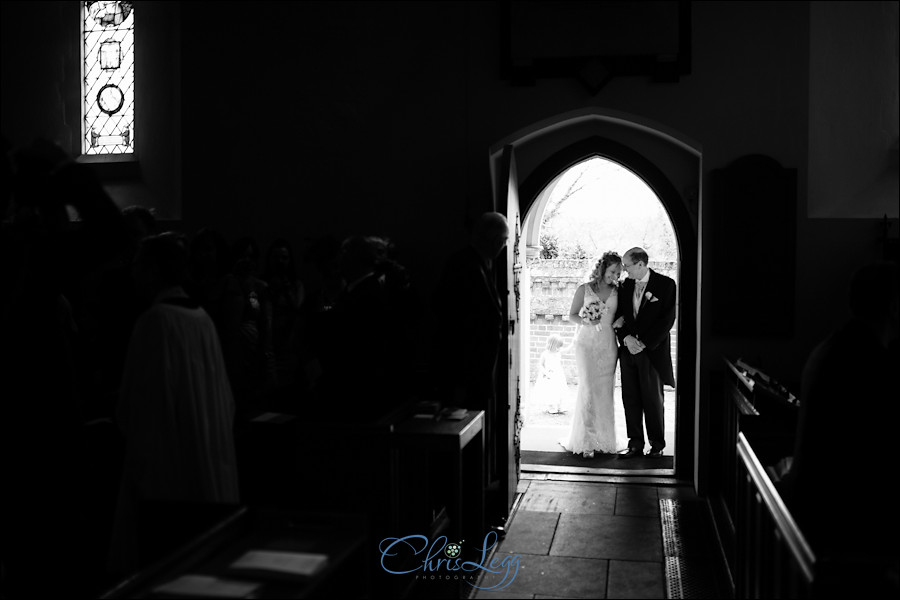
[511, 280]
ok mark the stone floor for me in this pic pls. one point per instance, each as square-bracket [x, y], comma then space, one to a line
[583, 540]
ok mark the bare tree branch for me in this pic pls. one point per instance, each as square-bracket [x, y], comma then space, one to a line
[571, 191]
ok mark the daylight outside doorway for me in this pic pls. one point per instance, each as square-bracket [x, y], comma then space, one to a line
[594, 206]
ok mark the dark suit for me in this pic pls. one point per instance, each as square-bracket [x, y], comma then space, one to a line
[357, 353]
[468, 309]
[645, 373]
[849, 392]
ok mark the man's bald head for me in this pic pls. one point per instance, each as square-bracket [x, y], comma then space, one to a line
[490, 234]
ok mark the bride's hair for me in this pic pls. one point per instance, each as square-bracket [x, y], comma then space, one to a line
[609, 258]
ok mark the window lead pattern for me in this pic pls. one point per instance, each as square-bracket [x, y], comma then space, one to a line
[108, 77]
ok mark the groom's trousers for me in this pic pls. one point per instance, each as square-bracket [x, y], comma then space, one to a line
[642, 398]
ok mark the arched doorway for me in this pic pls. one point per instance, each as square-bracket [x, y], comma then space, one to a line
[596, 205]
[526, 162]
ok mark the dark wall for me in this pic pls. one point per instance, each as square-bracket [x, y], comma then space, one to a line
[313, 117]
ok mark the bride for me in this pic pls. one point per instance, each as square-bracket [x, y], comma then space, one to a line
[594, 308]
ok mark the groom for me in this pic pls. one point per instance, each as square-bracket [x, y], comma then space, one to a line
[647, 310]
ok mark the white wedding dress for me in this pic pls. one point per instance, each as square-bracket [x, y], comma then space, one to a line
[594, 419]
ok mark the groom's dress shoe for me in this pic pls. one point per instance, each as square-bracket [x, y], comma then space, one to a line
[655, 453]
[631, 453]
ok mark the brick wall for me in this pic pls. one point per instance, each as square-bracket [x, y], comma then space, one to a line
[553, 284]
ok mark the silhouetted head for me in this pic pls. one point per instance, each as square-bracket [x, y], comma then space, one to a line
[161, 262]
[245, 254]
[280, 260]
[490, 235]
[361, 255]
[209, 254]
[141, 221]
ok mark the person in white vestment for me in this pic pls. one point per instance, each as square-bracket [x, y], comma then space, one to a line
[176, 409]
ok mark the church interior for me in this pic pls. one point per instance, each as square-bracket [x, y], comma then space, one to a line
[769, 131]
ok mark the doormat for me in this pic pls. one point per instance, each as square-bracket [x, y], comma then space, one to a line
[600, 461]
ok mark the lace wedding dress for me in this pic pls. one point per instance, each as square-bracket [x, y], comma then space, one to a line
[594, 419]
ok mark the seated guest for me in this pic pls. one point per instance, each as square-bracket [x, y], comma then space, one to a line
[849, 390]
[176, 409]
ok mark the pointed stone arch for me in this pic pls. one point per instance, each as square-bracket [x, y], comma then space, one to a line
[671, 165]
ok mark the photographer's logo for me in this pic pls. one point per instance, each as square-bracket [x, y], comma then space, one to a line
[453, 550]
[443, 561]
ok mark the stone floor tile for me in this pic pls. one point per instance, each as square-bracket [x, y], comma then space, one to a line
[637, 501]
[607, 536]
[530, 533]
[551, 576]
[569, 498]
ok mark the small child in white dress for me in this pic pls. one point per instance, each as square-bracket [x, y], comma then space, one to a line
[550, 387]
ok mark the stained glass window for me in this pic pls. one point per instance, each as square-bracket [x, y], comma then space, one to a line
[108, 84]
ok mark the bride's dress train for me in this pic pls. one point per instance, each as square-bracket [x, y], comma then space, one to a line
[594, 420]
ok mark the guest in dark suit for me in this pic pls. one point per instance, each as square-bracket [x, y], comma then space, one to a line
[359, 338]
[849, 392]
[469, 310]
[645, 316]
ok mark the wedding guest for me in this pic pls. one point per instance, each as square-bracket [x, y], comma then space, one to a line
[361, 331]
[321, 276]
[468, 309]
[286, 295]
[209, 265]
[141, 222]
[176, 409]
[247, 327]
[849, 390]
[44, 261]
[111, 306]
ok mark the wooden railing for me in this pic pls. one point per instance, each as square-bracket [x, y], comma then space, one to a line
[767, 555]
[773, 559]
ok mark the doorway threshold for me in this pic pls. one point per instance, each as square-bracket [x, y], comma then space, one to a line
[659, 477]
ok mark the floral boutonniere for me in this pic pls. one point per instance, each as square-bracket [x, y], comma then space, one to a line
[650, 297]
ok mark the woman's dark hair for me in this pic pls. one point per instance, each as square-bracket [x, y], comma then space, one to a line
[168, 251]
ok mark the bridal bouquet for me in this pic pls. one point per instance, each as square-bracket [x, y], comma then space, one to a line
[593, 312]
